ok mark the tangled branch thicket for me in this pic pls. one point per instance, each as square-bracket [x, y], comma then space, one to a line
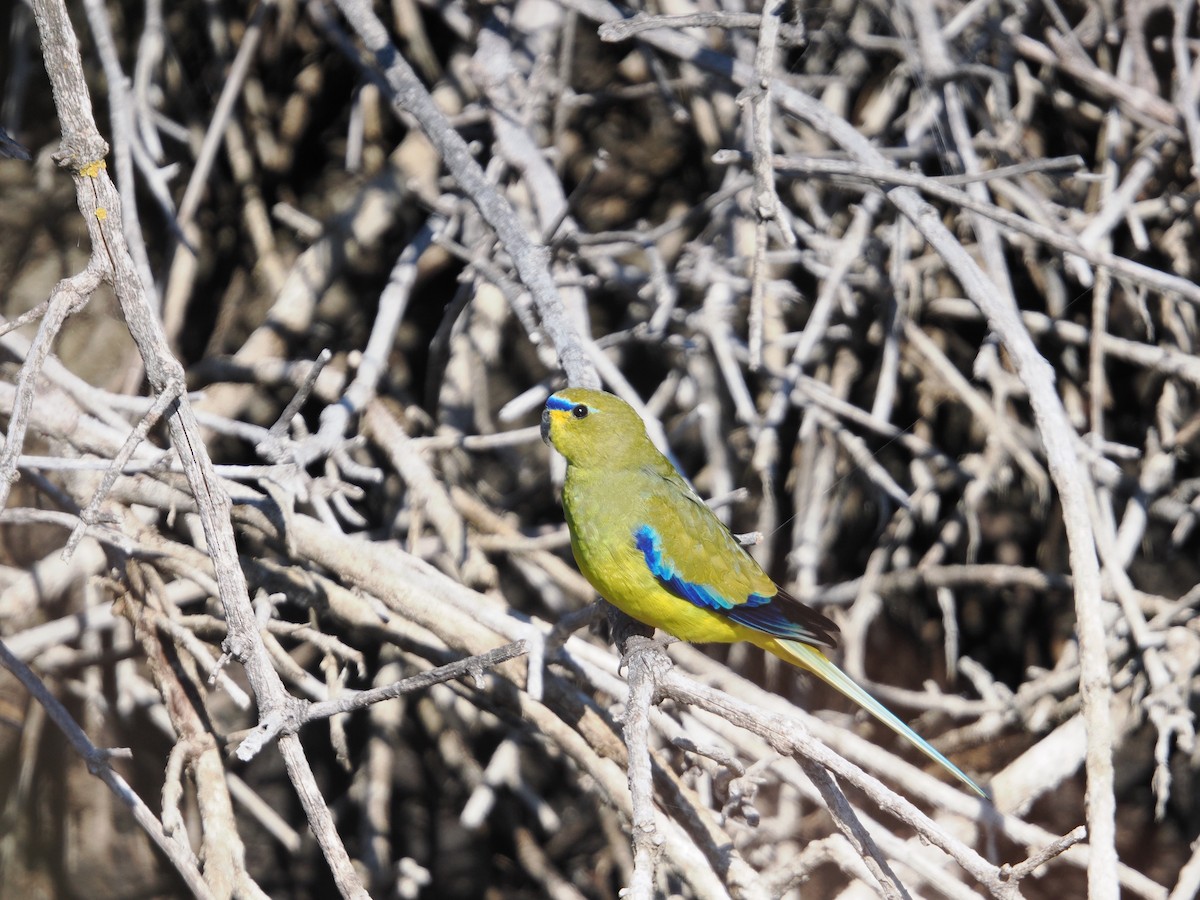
[909, 290]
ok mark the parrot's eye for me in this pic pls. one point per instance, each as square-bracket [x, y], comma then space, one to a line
[579, 411]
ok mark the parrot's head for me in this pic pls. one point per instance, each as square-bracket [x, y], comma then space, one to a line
[593, 428]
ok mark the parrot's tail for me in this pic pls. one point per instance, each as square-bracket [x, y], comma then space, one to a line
[818, 663]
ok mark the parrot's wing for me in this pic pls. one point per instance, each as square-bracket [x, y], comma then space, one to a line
[693, 556]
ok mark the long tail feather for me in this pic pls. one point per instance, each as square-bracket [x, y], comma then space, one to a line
[818, 663]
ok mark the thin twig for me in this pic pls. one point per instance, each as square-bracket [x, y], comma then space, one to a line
[97, 762]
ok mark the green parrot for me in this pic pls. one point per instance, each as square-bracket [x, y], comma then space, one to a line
[651, 547]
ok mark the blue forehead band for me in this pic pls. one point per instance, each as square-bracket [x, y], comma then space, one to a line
[557, 402]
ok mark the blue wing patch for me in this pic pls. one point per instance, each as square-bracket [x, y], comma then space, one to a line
[650, 544]
[779, 615]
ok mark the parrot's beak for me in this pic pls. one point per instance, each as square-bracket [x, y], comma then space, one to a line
[546, 426]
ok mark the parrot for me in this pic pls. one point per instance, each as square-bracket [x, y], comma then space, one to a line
[651, 547]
